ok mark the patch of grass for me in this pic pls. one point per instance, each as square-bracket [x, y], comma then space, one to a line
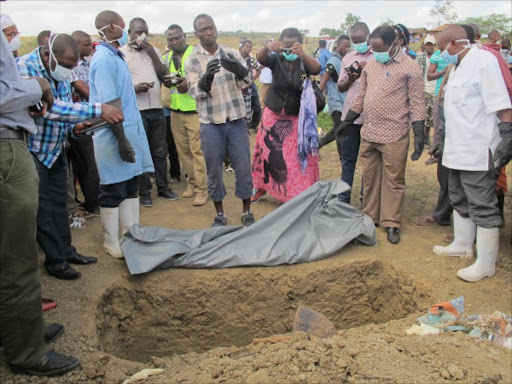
[324, 121]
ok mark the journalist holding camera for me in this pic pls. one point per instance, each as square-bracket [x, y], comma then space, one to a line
[148, 71]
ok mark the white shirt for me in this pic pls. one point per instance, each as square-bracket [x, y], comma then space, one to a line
[142, 71]
[430, 86]
[266, 76]
[474, 93]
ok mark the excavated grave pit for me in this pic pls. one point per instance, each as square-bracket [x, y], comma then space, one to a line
[160, 314]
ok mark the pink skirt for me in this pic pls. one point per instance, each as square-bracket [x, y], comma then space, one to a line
[275, 164]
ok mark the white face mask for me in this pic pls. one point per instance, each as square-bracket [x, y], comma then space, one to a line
[15, 43]
[60, 73]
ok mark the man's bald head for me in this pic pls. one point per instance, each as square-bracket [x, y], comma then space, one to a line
[84, 42]
[450, 33]
[106, 18]
[62, 45]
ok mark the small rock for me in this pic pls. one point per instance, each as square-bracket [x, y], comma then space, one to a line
[311, 367]
[302, 377]
[455, 372]
[216, 371]
[444, 373]
[258, 377]
[389, 339]
[341, 364]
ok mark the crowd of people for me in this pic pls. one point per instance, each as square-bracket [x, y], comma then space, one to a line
[192, 107]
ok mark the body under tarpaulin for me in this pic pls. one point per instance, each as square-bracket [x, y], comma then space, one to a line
[312, 226]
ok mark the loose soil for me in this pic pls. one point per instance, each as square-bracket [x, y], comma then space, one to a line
[198, 324]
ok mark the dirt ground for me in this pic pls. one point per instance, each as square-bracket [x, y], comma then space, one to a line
[198, 324]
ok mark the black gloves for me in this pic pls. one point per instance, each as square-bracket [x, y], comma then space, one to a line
[205, 84]
[124, 147]
[419, 137]
[231, 64]
[341, 132]
[503, 152]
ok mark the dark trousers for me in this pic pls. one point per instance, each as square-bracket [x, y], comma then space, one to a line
[53, 233]
[84, 167]
[154, 124]
[174, 161]
[21, 317]
[111, 195]
[443, 210]
[349, 155]
[256, 107]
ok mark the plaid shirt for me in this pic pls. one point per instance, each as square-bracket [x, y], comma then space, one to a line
[52, 129]
[225, 100]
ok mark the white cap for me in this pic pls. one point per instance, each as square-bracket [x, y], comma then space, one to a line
[430, 39]
[5, 21]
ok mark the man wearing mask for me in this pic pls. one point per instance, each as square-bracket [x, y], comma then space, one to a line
[55, 62]
[11, 33]
[82, 153]
[23, 336]
[184, 117]
[475, 149]
[349, 81]
[147, 71]
[216, 77]
[391, 96]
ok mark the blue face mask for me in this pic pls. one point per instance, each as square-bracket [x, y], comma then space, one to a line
[290, 56]
[122, 40]
[453, 59]
[382, 57]
[361, 47]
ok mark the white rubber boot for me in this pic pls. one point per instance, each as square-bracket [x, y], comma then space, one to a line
[464, 230]
[487, 245]
[110, 222]
[129, 214]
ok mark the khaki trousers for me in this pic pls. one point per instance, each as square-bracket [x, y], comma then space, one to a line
[186, 132]
[384, 180]
[264, 88]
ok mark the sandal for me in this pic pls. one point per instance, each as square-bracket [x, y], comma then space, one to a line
[257, 195]
[48, 304]
[230, 169]
[425, 220]
[76, 222]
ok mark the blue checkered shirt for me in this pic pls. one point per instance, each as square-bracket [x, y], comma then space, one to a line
[52, 129]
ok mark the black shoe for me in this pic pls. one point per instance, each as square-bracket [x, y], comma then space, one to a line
[220, 220]
[145, 201]
[393, 235]
[52, 364]
[65, 273]
[82, 260]
[168, 194]
[52, 332]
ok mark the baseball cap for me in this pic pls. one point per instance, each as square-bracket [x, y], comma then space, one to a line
[430, 39]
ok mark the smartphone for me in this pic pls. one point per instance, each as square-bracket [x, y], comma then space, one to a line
[142, 38]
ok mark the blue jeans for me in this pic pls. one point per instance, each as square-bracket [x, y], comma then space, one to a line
[350, 150]
[231, 138]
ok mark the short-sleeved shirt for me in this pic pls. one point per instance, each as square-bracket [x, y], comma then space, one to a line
[335, 97]
[80, 72]
[440, 66]
[391, 96]
[322, 58]
[225, 100]
[143, 71]
[474, 93]
[286, 86]
[349, 59]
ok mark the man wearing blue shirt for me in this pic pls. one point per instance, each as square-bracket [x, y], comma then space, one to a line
[55, 62]
[323, 56]
[119, 162]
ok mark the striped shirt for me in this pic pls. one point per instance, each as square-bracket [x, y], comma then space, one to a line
[391, 96]
[225, 100]
[80, 72]
[52, 129]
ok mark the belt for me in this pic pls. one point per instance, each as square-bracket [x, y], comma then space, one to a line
[11, 134]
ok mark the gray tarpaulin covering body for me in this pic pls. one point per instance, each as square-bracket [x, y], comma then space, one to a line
[310, 227]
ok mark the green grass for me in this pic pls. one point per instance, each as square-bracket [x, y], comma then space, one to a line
[324, 121]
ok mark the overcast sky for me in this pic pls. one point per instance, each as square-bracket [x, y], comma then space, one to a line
[31, 17]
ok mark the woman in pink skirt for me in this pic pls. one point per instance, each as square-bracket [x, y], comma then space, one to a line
[276, 167]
